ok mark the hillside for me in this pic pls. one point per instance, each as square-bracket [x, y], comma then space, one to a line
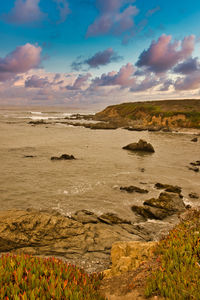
[166, 113]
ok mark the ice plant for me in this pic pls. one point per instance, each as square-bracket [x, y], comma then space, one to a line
[24, 277]
[178, 276]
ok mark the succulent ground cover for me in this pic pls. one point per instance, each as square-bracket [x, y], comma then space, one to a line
[24, 277]
[178, 256]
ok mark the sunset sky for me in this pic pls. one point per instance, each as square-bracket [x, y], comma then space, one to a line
[93, 53]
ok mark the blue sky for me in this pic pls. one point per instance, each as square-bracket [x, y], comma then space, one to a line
[98, 52]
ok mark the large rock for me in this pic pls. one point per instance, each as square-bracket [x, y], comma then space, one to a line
[142, 145]
[63, 157]
[85, 241]
[127, 256]
[165, 205]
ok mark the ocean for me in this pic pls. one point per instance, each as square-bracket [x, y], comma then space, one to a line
[29, 179]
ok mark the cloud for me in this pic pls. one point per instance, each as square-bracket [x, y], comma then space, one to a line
[163, 54]
[147, 83]
[115, 17]
[80, 81]
[100, 58]
[189, 82]
[122, 78]
[188, 66]
[63, 8]
[24, 12]
[21, 60]
[152, 11]
[166, 85]
[36, 82]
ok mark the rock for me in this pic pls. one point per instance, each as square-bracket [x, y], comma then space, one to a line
[195, 139]
[63, 157]
[194, 195]
[168, 201]
[166, 205]
[140, 146]
[38, 122]
[101, 125]
[136, 128]
[148, 212]
[127, 256]
[84, 216]
[195, 169]
[110, 218]
[85, 241]
[29, 156]
[196, 163]
[132, 188]
[168, 187]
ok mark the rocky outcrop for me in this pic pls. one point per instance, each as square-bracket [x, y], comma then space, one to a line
[63, 157]
[85, 239]
[167, 204]
[132, 189]
[140, 146]
[127, 256]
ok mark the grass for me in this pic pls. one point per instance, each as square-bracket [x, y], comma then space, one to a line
[23, 277]
[178, 275]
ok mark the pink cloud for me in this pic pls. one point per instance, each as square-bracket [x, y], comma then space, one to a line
[114, 17]
[189, 82]
[122, 78]
[80, 81]
[24, 11]
[21, 60]
[164, 54]
[36, 82]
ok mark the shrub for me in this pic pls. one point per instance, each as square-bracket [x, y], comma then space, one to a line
[178, 276]
[24, 277]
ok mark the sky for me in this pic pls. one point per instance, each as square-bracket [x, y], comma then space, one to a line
[94, 53]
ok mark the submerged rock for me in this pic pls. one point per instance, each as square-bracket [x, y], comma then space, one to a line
[196, 163]
[132, 188]
[142, 145]
[195, 139]
[63, 157]
[194, 195]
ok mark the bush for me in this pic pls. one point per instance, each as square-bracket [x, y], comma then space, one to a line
[178, 276]
[24, 277]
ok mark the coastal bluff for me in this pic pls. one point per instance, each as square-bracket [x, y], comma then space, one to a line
[153, 115]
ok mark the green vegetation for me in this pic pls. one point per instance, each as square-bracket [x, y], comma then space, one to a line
[165, 109]
[24, 277]
[178, 275]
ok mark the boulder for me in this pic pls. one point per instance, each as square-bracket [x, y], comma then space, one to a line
[63, 157]
[140, 146]
[195, 169]
[167, 204]
[127, 256]
[132, 188]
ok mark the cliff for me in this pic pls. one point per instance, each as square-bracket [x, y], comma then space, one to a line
[166, 113]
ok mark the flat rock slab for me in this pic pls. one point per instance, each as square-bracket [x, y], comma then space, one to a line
[86, 241]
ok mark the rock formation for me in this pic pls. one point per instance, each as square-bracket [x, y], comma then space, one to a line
[140, 146]
[63, 157]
